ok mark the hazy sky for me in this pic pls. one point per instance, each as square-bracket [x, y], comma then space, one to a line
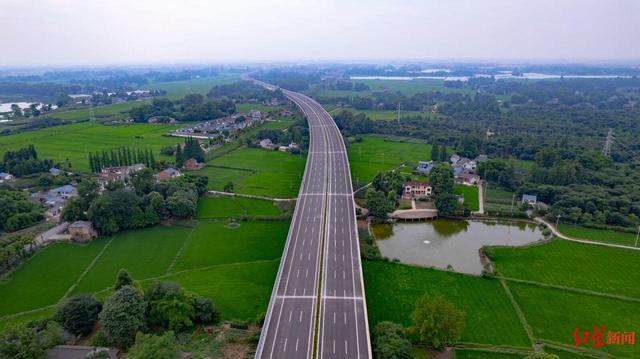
[103, 32]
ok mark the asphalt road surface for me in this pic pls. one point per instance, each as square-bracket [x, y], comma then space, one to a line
[317, 308]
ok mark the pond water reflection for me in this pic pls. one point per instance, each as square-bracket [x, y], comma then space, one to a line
[445, 243]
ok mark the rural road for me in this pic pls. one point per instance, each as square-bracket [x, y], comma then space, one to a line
[317, 307]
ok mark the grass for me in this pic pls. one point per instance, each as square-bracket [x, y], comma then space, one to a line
[76, 141]
[598, 235]
[470, 194]
[257, 171]
[392, 290]
[500, 196]
[390, 115]
[576, 265]
[178, 89]
[240, 291]
[215, 243]
[555, 314]
[223, 206]
[235, 267]
[144, 253]
[376, 153]
[44, 279]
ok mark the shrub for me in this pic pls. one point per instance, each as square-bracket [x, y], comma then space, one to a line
[437, 323]
[206, 311]
[123, 315]
[79, 314]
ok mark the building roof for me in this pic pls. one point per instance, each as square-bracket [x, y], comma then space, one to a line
[54, 170]
[78, 352]
[529, 197]
[81, 224]
[416, 184]
[64, 189]
[4, 174]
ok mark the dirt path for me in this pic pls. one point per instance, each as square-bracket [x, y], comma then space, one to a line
[231, 194]
[557, 233]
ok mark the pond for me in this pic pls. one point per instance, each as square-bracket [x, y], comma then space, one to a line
[450, 244]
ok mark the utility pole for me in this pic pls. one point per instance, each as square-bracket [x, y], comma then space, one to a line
[398, 112]
[513, 199]
[557, 221]
[606, 148]
[637, 237]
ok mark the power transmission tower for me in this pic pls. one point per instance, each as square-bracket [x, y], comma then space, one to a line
[606, 148]
[92, 115]
[398, 113]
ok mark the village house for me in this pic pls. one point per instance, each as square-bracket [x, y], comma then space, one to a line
[81, 231]
[54, 171]
[467, 179]
[267, 144]
[285, 113]
[424, 167]
[292, 146]
[529, 199]
[5, 177]
[168, 173]
[118, 174]
[192, 165]
[415, 189]
[64, 192]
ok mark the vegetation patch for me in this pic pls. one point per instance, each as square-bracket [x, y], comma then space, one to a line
[571, 264]
[74, 142]
[470, 194]
[393, 289]
[228, 206]
[555, 314]
[599, 235]
[258, 172]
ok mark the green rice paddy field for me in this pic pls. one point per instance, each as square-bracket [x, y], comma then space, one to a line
[557, 286]
[76, 141]
[599, 235]
[257, 171]
[375, 153]
[234, 265]
[470, 194]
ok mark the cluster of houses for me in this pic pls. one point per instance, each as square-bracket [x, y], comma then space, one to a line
[267, 144]
[464, 169]
[215, 128]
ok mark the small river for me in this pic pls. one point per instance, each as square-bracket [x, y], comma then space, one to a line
[446, 244]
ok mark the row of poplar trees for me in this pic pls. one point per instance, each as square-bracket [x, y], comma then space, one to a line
[123, 156]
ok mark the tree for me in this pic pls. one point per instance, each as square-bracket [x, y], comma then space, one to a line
[101, 215]
[436, 322]
[181, 204]
[152, 346]
[79, 314]
[446, 203]
[206, 311]
[123, 279]
[73, 210]
[143, 181]
[170, 307]
[442, 178]
[123, 315]
[228, 187]
[378, 204]
[179, 156]
[390, 342]
[435, 154]
[29, 341]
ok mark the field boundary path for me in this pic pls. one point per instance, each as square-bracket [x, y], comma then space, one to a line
[317, 307]
[254, 196]
[558, 234]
